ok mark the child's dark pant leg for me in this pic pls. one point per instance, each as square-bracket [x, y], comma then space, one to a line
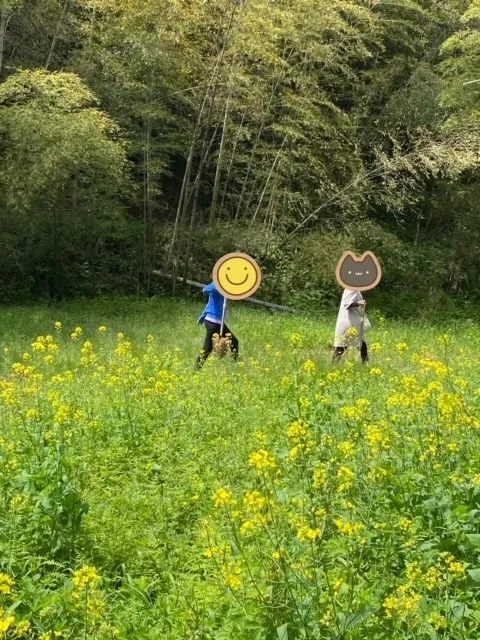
[233, 341]
[338, 353]
[212, 328]
[364, 352]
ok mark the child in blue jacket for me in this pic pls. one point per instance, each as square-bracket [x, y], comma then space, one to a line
[212, 319]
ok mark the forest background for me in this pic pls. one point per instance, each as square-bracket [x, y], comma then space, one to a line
[160, 134]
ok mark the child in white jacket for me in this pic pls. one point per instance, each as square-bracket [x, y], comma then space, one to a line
[350, 329]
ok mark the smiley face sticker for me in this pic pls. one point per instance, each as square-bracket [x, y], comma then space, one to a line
[237, 276]
[358, 274]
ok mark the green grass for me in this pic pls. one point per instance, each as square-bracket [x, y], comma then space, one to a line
[280, 498]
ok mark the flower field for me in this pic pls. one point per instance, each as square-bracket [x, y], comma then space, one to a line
[279, 498]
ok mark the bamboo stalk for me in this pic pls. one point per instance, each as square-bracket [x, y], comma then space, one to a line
[199, 285]
[184, 199]
[218, 172]
[57, 34]
[3, 29]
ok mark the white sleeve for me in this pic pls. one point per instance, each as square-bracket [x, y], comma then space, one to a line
[349, 298]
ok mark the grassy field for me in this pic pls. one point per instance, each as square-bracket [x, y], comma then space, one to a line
[276, 499]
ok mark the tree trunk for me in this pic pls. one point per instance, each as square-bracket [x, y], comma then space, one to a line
[213, 81]
[57, 34]
[249, 168]
[272, 169]
[3, 31]
[262, 303]
[256, 143]
[205, 153]
[147, 208]
[218, 173]
[230, 165]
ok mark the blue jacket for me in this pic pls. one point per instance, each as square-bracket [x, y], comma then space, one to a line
[214, 306]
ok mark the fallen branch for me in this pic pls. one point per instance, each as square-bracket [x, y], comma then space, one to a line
[261, 303]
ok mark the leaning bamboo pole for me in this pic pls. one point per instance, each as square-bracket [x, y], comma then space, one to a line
[261, 303]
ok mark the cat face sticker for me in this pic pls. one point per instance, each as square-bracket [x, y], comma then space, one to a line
[358, 274]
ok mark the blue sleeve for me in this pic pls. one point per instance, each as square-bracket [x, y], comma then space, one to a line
[210, 288]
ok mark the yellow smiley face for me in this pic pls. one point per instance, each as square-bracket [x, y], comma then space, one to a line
[237, 276]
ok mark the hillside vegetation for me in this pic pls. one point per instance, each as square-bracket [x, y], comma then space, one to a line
[163, 133]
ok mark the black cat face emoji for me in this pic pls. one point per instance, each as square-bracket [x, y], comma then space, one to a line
[358, 274]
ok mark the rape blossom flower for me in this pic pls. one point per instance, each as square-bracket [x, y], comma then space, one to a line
[223, 498]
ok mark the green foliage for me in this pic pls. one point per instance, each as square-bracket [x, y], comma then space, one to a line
[63, 169]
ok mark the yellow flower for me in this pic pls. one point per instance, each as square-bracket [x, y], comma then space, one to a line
[405, 524]
[320, 477]
[261, 437]
[62, 414]
[402, 346]
[17, 503]
[5, 623]
[451, 565]
[305, 403]
[223, 498]
[414, 572]
[375, 371]
[124, 349]
[307, 534]
[211, 552]
[362, 404]
[254, 501]
[39, 344]
[85, 577]
[296, 339]
[375, 347]
[346, 479]
[348, 528]
[102, 329]
[309, 366]
[233, 577]
[404, 603]
[432, 578]
[23, 628]
[254, 524]
[438, 621]
[262, 459]
[347, 448]
[462, 383]
[377, 439]
[87, 347]
[348, 412]
[6, 584]
[299, 431]
[58, 325]
[77, 333]
[334, 376]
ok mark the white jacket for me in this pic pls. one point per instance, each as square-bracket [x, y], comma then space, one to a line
[348, 319]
